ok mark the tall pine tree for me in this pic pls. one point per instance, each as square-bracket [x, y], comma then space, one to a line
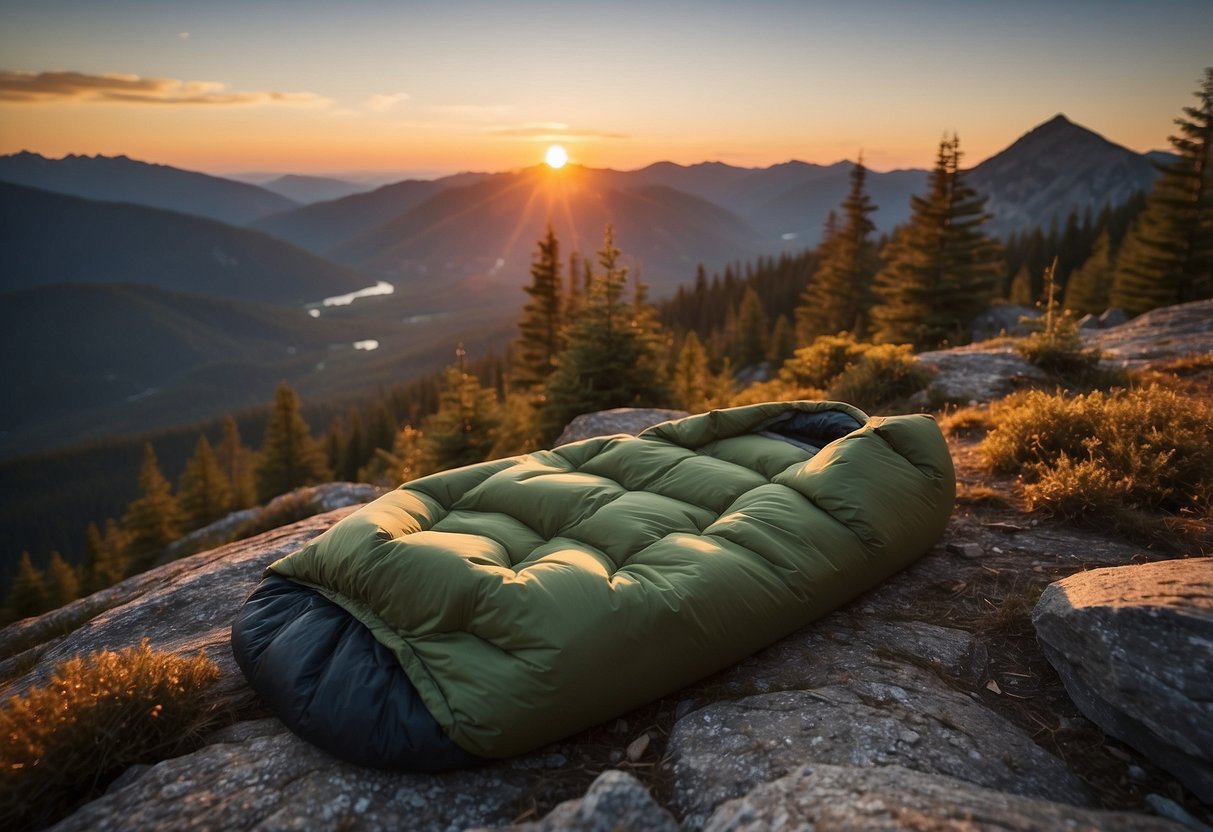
[154, 519]
[940, 268]
[839, 294]
[290, 457]
[27, 595]
[1087, 288]
[464, 429]
[1167, 258]
[237, 463]
[540, 335]
[614, 356]
[203, 491]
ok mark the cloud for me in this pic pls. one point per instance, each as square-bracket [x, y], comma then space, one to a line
[383, 103]
[183, 35]
[547, 130]
[40, 87]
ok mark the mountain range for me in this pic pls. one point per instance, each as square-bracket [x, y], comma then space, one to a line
[127, 247]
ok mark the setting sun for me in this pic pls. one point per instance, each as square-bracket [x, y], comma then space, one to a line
[556, 156]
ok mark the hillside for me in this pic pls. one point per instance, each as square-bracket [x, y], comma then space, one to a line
[119, 179]
[48, 238]
[483, 235]
[322, 226]
[308, 189]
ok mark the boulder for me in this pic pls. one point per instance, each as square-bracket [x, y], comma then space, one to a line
[1158, 335]
[1004, 319]
[980, 372]
[1134, 647]
[620, 420]
[847, 799]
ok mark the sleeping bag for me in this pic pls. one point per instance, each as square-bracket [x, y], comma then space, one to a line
[489, 610]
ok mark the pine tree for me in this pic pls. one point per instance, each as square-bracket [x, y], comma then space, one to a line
[839, 294]
[62, 583]
[108, 560]
[692, 377]
[940, 268]
[540, 335]
[237, 463]
[154, 519]
[1167, 257]
[1021, 287]
[782, 342]
[27, 596]
[1087, 288]
[614, 356]
[404, 462]
[464, 429]
[806, 316]
[290, 457]
[753, 330]
[203, 491]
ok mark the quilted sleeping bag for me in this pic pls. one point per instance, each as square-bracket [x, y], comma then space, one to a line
[491, 609]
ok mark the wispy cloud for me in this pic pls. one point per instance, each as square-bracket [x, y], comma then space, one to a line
[40, 87]
[553, 130]
[383, 103]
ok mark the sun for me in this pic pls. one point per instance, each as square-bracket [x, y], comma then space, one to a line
[556, 156]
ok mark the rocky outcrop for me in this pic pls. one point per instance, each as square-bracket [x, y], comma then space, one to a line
[620, 420]
[889, 798]
[1134, 647]
[1159, 335]
[980, 372]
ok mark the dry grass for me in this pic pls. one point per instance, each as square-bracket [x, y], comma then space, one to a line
[1140, 459]
[62, 743]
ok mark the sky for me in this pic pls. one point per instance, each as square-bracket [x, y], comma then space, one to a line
[429, 88]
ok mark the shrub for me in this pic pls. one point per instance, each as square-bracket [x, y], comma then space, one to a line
[1107, 455]
[882, 375]
[62, 743]
[865, 375]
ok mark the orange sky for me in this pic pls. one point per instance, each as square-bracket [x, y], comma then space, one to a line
[432, 88]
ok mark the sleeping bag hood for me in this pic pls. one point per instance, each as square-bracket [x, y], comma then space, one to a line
[488, 610]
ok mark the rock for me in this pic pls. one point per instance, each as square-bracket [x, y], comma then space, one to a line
[1003, 319]
[1112, 317]
[980, 372]
[257, 775]
[965, 550]
[1158, 335]
[850, 799]
[1134, 648]
[615, 801]
[620, 420]
[1168, 808]
[894, 716]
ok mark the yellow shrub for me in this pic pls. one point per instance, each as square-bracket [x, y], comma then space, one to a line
[1105, 454]
[63, 742]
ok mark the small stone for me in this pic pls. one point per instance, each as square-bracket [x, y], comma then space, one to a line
[965, 550]
[637, 747]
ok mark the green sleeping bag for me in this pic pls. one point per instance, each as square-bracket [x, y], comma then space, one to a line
[517, 601]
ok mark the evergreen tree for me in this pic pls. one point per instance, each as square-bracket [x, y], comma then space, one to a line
[940, 268]
[839, 294]
[806, 316]
[404, 462]
[540, 329]
[236, 460]
[62, 583]
[692, 377]
[614, 356]
[356, 450]
[464, 429]
[27, 596]
[1167, 257]
[782, 343]
[753, 330]
[154, 519]
[1087, 288]
[290, 457]
[1021, 287]
[203, 491]
[107, 560]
